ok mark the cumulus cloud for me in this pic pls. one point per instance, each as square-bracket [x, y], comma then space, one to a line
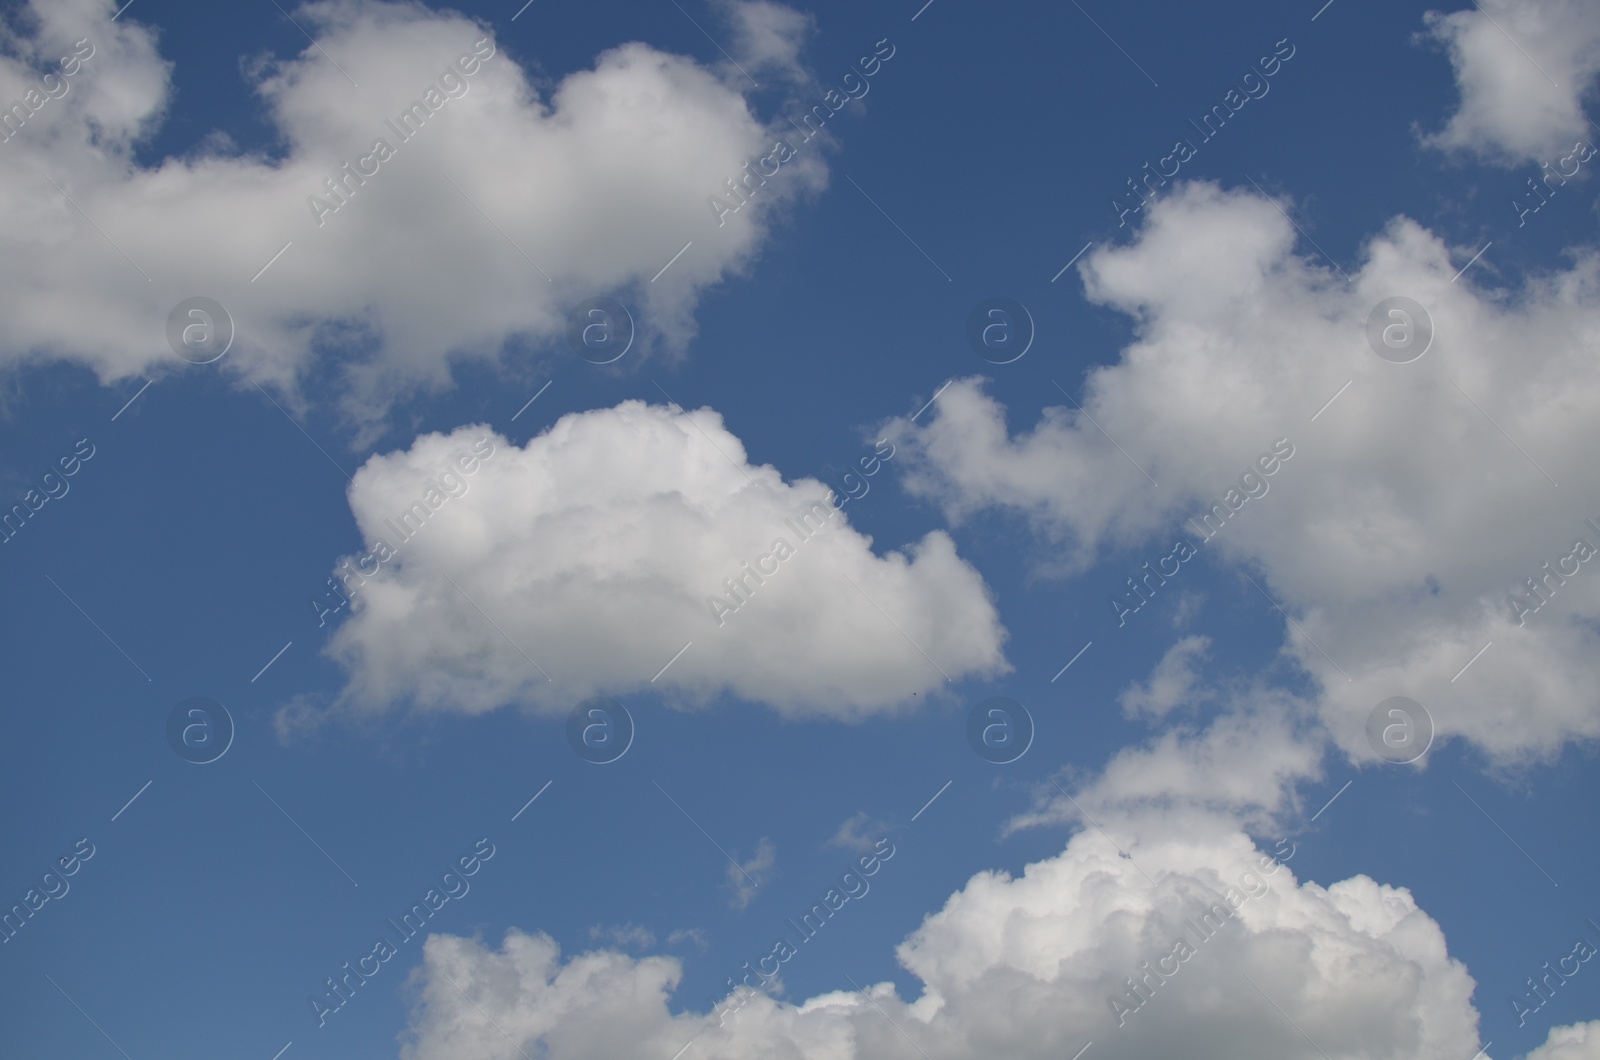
[582, 564]
[1523, 68]
[500, 206]
[1022, 967]
[1409, 511]
[1577, 1041]
[1243, 765]
[1160, 931]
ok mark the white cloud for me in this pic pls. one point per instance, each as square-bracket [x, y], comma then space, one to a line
[1019, 967]
[1027, 967]
[1523, 68]
[599, 1004]
[745, 877]
[693, 936]
[600, 178]
[1404, 518]
[1189, 605]
[767, 37]
[1241, 765]
[1578, 1041]
[860, 832]
[1172, 683]
[596, 550]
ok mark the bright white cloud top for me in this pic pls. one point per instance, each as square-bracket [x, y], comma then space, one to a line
[1579, 1041]
[1080, 946]
[1405, 521]
[595, 553]
[498, 205]
[1431, 528]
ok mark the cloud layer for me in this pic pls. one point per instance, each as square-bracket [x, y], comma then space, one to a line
[1411, 508]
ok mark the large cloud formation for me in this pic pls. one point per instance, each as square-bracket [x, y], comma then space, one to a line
[1523, 68]
[1023, 967]
[499, 206]
[581, 563]
[1162, 929]
[1413, 507]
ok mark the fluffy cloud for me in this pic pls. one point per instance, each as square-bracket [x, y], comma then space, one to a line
[1020, 967]
[1523, 68]
[581, 563]
[1164, 932]
[1579, 1041]
[559, 193]
[767, 37]
[1404, 519]
[1171, 683]
[1241, 765]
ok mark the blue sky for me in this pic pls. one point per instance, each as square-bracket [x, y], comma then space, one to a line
[779, 355]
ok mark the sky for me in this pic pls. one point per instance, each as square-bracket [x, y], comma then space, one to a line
[727, 529]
